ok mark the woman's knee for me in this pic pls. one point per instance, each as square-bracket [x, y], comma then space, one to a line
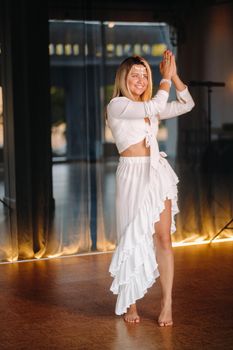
[164, 239]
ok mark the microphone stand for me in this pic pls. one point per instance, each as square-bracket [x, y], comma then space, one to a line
[210, 85]
[226, 227]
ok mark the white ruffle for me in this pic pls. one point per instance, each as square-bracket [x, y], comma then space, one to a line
[133, 264]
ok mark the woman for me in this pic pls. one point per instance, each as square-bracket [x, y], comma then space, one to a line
[146, 185]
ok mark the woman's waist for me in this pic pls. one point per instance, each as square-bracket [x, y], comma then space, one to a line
[134, 159]
[142, 159]
[138, 149]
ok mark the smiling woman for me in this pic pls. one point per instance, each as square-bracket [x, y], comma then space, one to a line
[137, 80]
[146, 185]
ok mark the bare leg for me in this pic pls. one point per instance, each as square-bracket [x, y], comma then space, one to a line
[165, 258]
[132, 315]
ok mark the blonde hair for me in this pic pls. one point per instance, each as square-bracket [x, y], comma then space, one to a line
[121, 88]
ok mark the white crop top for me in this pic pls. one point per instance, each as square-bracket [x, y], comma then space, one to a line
[125, 118]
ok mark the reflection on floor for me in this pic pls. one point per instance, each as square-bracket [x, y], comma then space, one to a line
[65, 303]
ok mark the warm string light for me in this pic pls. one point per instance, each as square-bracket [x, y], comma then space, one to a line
[118, 50]
[111, 24]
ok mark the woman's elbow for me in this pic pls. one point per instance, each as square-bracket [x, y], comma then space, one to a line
[190, 106]
[161, 107]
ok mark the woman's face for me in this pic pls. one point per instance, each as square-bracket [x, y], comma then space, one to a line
[137, 80]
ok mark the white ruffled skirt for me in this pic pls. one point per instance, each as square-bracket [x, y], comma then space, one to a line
[140, 199]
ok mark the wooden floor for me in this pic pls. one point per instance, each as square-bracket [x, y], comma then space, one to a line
[65, 303]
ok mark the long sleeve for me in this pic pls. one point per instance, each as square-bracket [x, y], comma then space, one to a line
[183, 104]
[124, 108]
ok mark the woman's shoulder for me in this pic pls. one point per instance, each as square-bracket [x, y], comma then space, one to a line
[119, 99]
[117, 105]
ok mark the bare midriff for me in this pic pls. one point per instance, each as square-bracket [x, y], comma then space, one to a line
[138, 149]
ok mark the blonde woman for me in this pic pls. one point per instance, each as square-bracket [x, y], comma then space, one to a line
[146, 185]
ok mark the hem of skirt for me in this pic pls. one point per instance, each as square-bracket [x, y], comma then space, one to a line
[130, 302]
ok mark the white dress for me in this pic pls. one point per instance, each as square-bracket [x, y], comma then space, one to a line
[142, 186]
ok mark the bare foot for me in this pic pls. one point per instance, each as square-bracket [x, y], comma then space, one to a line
[131, 315]
[165, 317]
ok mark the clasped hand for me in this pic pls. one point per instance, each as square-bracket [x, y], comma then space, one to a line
[168, 65]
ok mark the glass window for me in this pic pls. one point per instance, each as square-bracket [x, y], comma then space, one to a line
[84, 57]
